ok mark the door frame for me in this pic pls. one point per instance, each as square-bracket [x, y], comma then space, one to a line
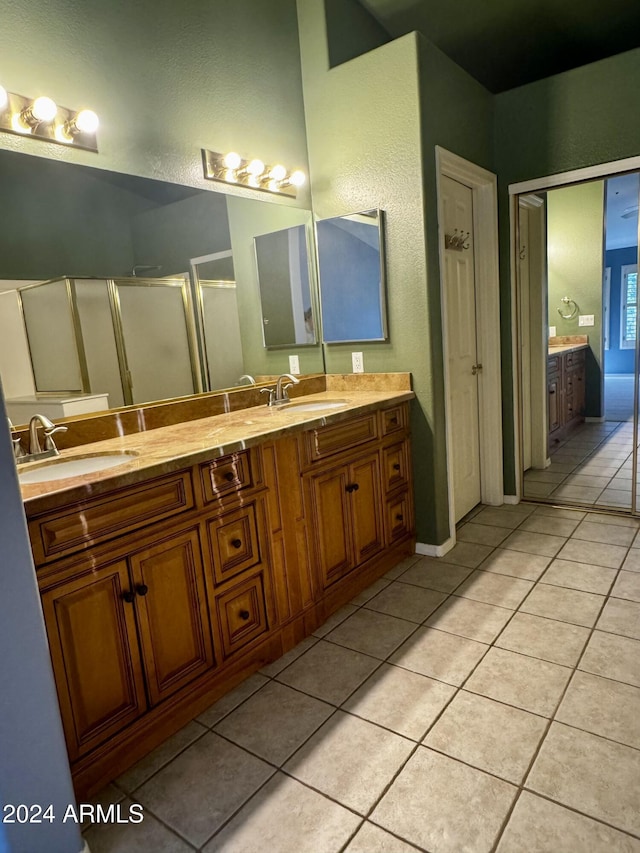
[589, 173]
[484, 187]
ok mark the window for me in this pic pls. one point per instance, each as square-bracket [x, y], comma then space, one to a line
[629, 305]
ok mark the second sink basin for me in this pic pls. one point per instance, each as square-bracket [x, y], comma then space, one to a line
[62, 469]
[316, 406]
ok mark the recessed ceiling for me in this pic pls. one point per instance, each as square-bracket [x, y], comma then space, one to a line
[506, 43]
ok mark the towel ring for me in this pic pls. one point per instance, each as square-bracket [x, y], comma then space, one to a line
[572, 311]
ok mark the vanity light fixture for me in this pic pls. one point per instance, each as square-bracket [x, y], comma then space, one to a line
[231, 168]
[42, 118]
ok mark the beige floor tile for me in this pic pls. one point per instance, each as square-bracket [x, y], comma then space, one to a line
[580, 551]
[467, 553]
[203, 787]
[369, 592]
[468, 618]
[542, 544]
[539, 826]
[603, 707]
[533, 475]
[547, 639]
[496, 589]
[439, 655]
[232, 699]
[336, 619]
[549, 524]
[488, 735]
[148, 836]
[401, 567]
[582, 576]
[590, 774]
[400, 700]
[376, 634]
[500, 517]
[613, 657]
[108, 796]
[632, 561]
[620, 617]
[579, 494]
[615, 498]
[286, 817]
[627, 586]
[515, 564]
[406, 602]
[481, 534]
[372, 839]
[528, 683]
[428, 804]
[559, 512]
[160, 756]
[566, 605]
[350, 760]
[329, 672]
[609, 534]
[274, 722]
[434, 574]
[534, 489]
[590, 480]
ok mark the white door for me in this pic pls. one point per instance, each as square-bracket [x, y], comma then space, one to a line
[524, 250]
[464, 371]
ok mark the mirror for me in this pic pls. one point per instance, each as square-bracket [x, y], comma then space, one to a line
[351, 276]
[62, 222]
[282, 259]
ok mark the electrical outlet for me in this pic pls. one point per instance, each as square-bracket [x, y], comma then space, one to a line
[357, 362]
[586, 320]
[552, 331]
[294, 365]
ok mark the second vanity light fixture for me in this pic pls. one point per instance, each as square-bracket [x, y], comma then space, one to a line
[42, 118]
[231, 168]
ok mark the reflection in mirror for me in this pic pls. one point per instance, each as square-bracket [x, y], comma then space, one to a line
[282, 259]
[352, 282]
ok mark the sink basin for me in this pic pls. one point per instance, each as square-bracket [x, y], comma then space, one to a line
[317, 406]
[62, 469]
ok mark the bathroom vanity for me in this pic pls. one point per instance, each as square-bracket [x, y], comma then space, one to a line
[565, 387]
[225, 541]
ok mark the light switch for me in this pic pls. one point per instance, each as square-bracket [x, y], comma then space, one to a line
[294, 365]
[586, 320]
[552, 331]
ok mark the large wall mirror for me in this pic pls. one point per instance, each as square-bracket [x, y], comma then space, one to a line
[352, 281]
[128, 239]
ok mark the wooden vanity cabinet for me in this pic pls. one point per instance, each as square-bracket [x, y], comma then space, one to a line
[565, 393]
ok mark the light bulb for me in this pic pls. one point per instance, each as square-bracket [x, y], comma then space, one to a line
[44, 109]
[86, 121]
[297, 178]
[232, 160]
[255, 168]
[277, 173]
[4, 98]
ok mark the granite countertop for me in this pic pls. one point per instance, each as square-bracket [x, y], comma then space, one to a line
[567, 343]
[172, 448]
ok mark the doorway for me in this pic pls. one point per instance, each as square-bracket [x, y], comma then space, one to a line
[585, 292]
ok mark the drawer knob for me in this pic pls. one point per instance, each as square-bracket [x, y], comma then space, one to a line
[244, 614]
[229, 476]
[352, 487]
[129, 596]
[396, 466]
[142, 589]
[237, 543]
[393, 420]
[399, 517]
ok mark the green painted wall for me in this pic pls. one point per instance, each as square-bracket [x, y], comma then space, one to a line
[585, 116]
[346, 19]
[575, 252]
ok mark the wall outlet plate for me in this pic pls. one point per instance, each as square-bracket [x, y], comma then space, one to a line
[357, 362]
[586, 320]
[552, 331]
[294, 365]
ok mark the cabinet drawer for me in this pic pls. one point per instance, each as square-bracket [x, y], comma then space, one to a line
[395, 466]
[553, 363]
[87, 523]
[242, 614]
[227, 474]
[393, 420]
[233, 538]
[574, 359]
[398, 517]
[328, 440]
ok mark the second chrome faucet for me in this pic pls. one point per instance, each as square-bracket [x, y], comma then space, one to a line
[278, 396]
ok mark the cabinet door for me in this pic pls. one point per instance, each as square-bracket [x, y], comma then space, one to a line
[366, 508]
[577, 385]
[95, 656]
[175, 633]
[332, 521]
[554, 407]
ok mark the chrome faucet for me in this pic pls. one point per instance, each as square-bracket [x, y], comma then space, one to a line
[281, 390]
[18, 449]
[251, 380]
[50, 449]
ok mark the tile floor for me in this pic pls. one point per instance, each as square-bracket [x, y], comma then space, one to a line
[485, 701]
[593, 466]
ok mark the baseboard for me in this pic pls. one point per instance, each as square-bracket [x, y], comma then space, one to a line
[435, 550]
[595, 420]
[510, 499]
